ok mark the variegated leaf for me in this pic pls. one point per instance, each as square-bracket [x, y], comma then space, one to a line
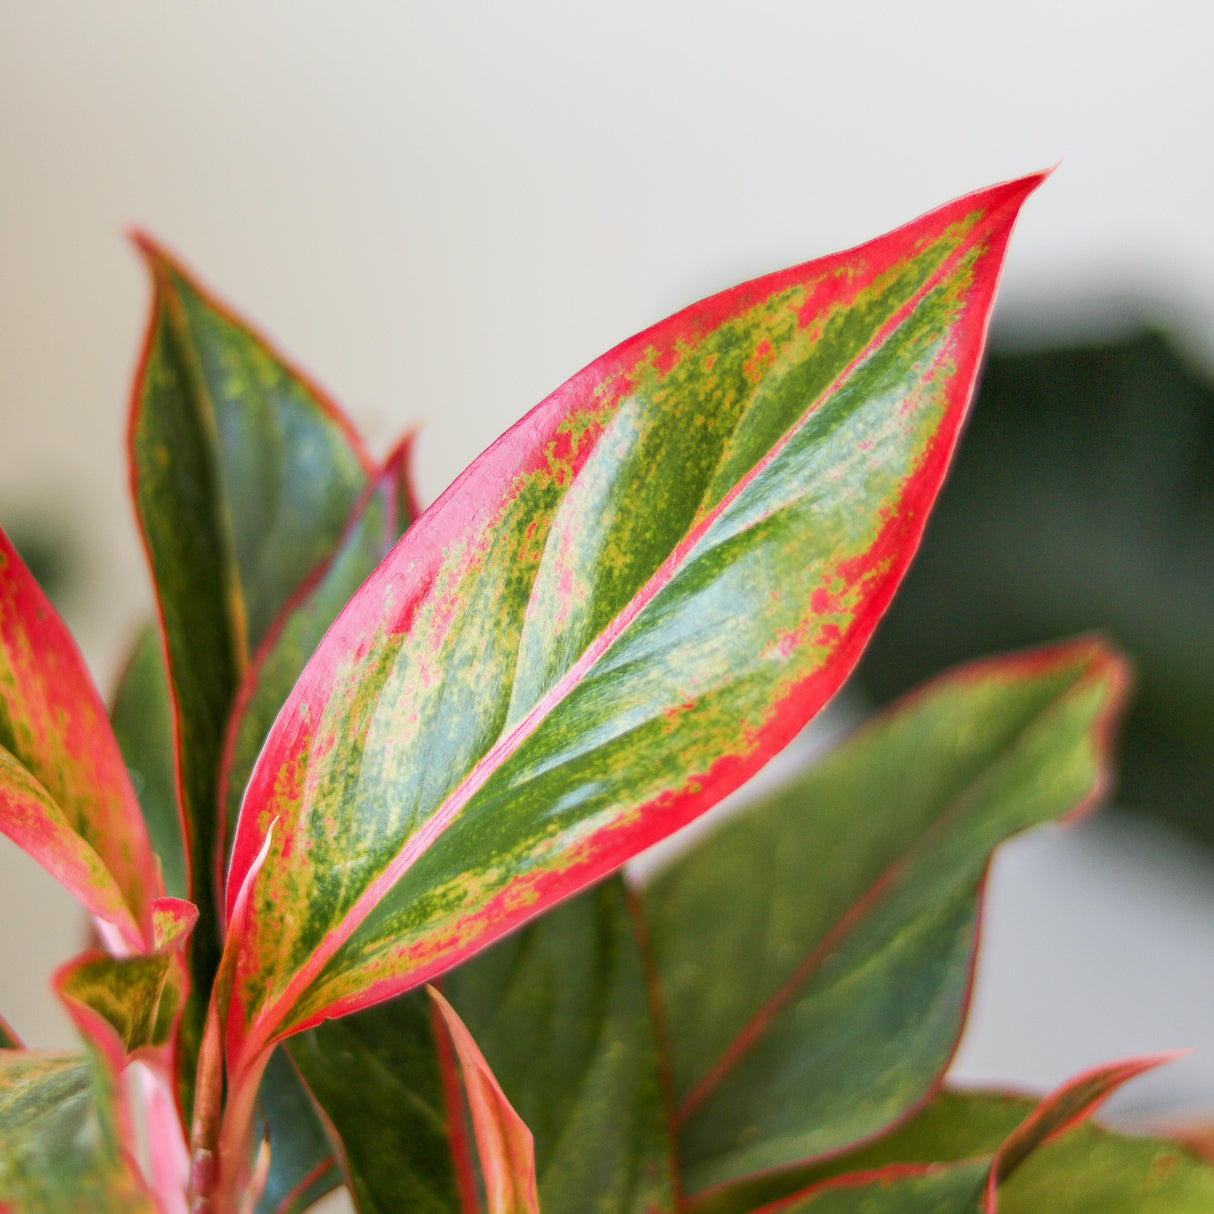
[65, 797]
[615, 616]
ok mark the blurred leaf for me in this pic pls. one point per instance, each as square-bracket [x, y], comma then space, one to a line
[1082, 497]
[377, 1077]
[827, 1001]
[65, 797]
[142, 717]
[59, 1149]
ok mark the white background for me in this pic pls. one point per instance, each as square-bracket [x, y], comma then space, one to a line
[445, 210]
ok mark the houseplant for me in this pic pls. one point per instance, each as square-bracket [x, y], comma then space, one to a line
[609, 621]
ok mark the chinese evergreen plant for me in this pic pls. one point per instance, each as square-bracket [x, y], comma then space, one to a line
[352, 842]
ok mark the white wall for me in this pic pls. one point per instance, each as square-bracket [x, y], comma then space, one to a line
[444, 210]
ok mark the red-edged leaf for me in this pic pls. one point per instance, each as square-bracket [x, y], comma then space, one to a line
[381, 518]
[617, 614]
[1072, 1103]
[503, 1142]
[65, 797]
[827, 1004]
[8, 1039]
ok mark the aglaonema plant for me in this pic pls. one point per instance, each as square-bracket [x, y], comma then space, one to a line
[353, 842]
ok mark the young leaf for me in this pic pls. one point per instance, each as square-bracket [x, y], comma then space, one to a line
[381, 518]
[65, 797]
[504, 1144]
[59, 1149]
[142, 719]
[611, 619]
[827, 1004]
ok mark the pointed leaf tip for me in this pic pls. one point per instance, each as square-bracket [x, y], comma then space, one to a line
[504, 1144]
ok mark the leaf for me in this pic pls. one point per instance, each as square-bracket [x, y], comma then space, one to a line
[504, 1144]
[58, 1145]
[826, 1003]
[142, 719]
[65, 797]
[561, 1012]
[388, 1090]
[302, 1167]
[125, 1006]
[385, 512]
[1074, 1102]
[8, 1039]
[967, 1127]
[906, 1189]
[611, 619]
[243, 475]
[1082, 498]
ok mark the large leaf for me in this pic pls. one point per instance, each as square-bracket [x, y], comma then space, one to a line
[142, 717]
[829, 999]
[1082, 497]
[59, 1148]
[65, 797]
[244, 475]
[381, 518]
[615, 616]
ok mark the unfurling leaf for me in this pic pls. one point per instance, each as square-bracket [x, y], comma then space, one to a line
[504, 1144]
[615, 616]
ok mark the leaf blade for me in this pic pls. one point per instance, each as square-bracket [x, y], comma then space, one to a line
[53, 725]
[487, 563]
[802, 1025]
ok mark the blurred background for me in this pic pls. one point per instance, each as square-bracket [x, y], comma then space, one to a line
[443, 211]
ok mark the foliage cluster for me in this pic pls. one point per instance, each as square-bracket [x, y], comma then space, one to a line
[352, 835]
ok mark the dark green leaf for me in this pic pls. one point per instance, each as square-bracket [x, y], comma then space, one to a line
[244, 476]
[302, 1167]
[378, 1078]
[142, 717]
[561, 1012]
[827, 1000]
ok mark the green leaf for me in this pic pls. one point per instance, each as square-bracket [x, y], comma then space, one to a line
[827, 1001]
[1082, 498]
[1005, 1134]
[384, 1088]
[59, 1146]
[244, 475]
[504, 1144]
[615, 616]
[381, 518]
[142, 718]
[8, 1039]
[561, 1011]
[302, 1166]
[947, 1189]
[65, 797]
